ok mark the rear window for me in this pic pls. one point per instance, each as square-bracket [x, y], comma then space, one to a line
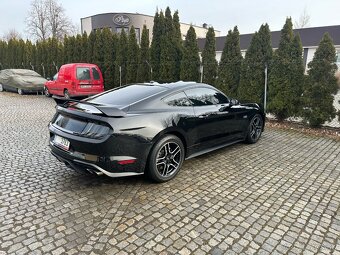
[126, 95]
[83, 73]
[95, 73]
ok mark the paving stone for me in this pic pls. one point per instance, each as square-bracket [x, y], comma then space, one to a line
[279, 196]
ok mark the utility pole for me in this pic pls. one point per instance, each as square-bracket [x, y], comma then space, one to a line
[150, 69]
[201, 69]
[265, 88]
[120, 76]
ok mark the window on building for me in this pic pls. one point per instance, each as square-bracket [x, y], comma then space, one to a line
[120, 29]
[338, 58]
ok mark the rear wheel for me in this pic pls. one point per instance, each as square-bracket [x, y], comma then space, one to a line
[255, 129]
[46, 92]
[66, 94]
[20, 92]
[166, 158]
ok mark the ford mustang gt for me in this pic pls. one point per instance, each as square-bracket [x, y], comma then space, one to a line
[149, 128]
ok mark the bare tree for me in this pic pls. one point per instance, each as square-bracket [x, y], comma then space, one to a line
[304, 20]
[47, 18]
[12, 34]
[59, 24]
[36, 21]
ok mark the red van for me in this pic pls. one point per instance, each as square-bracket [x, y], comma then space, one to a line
[75, 80]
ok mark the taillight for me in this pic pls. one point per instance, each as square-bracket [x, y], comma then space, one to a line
[93, 130]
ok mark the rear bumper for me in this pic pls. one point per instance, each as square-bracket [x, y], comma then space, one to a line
[102, 157]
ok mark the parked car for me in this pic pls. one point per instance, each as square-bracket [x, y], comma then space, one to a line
[21, 81]
[149, 128]
[75, 80]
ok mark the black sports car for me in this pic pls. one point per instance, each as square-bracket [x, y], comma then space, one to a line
[149, 128]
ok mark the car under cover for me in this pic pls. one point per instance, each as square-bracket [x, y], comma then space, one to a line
[25, 79]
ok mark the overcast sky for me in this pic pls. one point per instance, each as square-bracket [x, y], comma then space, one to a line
[248, 15]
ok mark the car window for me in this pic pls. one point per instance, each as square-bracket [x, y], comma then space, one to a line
[55, 77]
[95, 73]
[205, 96]
[126, 95]
[83, 73]
[179, 99]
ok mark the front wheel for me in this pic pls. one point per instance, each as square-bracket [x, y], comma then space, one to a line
[67, 94]
[20, 92]
[255, 129]
[166, 158]
[46, 92]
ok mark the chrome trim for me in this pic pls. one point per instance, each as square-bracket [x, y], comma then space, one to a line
[106, 172]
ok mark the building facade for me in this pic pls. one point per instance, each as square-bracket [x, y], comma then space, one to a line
[310, 38]
[124, 21]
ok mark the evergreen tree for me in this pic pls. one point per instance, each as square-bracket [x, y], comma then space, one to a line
[144, 72]
[155, 50]
[108, 58]
[78, 45]
[83, 50]
[122, 48]
[98, 55]
[229, 69]
[168, 57]
[258, 56]
[178, 44]
[321, 84]
[132, 57]
[283, 86]
[90, 45]
[209, 62]
[191, 59]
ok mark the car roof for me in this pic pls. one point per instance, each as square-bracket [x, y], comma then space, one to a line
[79, 64]
[179, 85]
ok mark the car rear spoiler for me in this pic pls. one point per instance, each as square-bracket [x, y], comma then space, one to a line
[108, 110]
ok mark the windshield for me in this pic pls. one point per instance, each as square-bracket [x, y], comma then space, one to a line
[126, 95]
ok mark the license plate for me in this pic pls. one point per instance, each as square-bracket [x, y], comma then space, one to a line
[85, 86]
[62, 142]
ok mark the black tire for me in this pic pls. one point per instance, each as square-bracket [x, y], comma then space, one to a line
[46, 92]
[21, 92]
[67, 94]
[166, 159]
[254, 129]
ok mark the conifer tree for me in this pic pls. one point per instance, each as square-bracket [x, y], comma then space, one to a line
[83, 50]
[132, 57]
[78, 46]
[283, 75]
[209, 62]
[108, 58]
[90, 45]
[122, 48]
[229, 68]
[168, 55]
[144, 71]
[321, 84]
[98, 56]
[258, 56]
[191, 60]
[178, 44]
[155, 49]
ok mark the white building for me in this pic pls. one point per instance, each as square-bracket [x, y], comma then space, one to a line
[119, 21]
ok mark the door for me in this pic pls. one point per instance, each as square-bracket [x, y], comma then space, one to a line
[213, 123]
[84, 81]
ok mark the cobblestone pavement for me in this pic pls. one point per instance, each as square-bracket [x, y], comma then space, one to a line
[279, 196]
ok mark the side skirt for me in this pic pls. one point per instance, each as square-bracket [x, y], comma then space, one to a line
[213, 148]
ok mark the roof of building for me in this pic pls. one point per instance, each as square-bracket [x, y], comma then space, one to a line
[310, 37]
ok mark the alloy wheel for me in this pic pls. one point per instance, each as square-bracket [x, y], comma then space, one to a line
[256, 128]
[168, 159]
